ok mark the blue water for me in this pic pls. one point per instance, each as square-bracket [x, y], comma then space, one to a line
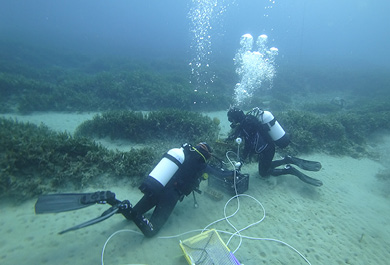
[345, 32]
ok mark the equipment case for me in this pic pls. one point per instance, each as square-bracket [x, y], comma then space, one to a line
[226, 184]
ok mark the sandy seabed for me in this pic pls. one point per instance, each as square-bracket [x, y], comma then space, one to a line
[346, 221]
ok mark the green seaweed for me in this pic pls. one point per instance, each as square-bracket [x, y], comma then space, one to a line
[103, 85]
[383, 175]
[35, 159]
[165, 125]
[341, 133]
[321, 107]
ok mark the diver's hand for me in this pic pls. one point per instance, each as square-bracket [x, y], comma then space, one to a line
[238, 165]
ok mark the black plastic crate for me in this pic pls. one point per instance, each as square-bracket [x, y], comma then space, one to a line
[226, 184]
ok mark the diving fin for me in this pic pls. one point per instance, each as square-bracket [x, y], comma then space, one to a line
[304, 164]
[62, 202]
[107, 214]
[288, 169]
[293, 171]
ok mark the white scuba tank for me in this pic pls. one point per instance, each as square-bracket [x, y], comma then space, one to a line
[276, 131]
[168, 165]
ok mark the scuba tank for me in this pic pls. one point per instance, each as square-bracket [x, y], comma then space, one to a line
[163, 172]
[168, 166]
[273, 127]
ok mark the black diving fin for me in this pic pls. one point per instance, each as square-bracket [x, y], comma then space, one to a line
[62, 202]
[107, 214]
[293, 171]
[288, 169]
[304, 164]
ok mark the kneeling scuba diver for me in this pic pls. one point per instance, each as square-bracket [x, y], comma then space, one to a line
[261, 133]
[178, 173]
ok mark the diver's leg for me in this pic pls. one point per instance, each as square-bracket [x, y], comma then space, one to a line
[146, 203]
[164, 207]
[265, 160]
[277, 163]
[151, 196]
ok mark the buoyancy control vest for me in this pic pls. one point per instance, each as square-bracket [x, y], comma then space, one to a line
[188, 177]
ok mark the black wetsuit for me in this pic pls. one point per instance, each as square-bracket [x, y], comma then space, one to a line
[183, 182]
[256, 141]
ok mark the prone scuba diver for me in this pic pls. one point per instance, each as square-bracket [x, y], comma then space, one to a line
[261, 132]
[178, 173]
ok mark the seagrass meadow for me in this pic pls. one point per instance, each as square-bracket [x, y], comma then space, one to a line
[152, 102]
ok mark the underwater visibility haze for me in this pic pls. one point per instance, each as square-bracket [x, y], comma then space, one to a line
[320, 32]
[122, 81]
[202, 37]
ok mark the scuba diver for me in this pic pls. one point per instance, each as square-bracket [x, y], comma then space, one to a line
[261, 132]
[178, 173]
